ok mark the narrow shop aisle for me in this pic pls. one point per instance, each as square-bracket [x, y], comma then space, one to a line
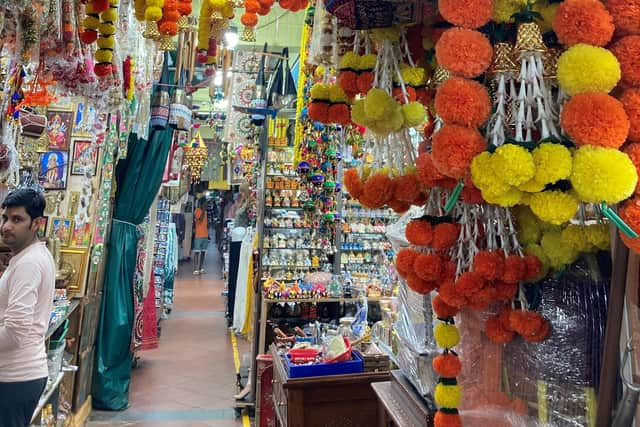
[190, 379]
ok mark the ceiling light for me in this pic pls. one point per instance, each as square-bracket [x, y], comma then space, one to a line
[217, 80]
[231, 38]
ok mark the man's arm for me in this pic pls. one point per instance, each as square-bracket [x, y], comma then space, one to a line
[23, 295]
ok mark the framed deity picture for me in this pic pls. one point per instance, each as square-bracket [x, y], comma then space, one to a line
[53, 170]
[59, 127]
[75, 261]
[42, 230]
[85, 157]
[85, 120]
[61, 229]
[81, 236]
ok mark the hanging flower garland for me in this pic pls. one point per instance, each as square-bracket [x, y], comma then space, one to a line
[213, 20]
[168, 25]
[106, 41]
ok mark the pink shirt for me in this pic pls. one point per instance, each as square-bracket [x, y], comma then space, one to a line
[26, 301]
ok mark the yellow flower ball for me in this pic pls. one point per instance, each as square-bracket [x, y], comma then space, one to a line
[558, 252]
[388, 33]
[504, 9]
[447, 396]
[153, 14]
[320, 91]
[446, 335]
[155, 3]
[103, 55]
[555, 207]
[598, 235]
[367, 62]
[513, 164]
[91, 22]
[414, 114]
[584, 68]
[414, 76]
[358, 115]
[88, 8]
[350, 60]
[397, 119]
[531, 186]
[336, 94]
[110, 15]
[602, 175]
[534, 249]
[106, 42]
[217, 4]
[483, 176]
[512, 197]
[553, 163]
[106, 29]
[575, 236]
[528, 225]
[377, 104]
[548, 12]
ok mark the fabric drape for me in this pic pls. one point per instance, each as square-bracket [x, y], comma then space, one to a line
[138, 177]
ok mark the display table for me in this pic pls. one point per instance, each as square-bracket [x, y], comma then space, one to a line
[400, 405]
[335, 400]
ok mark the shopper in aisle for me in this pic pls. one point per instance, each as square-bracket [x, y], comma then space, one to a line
[26, 300]
[201, 238]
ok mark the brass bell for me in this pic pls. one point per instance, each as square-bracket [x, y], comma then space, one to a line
[248, 35]
[502, 61]
[166, 43]
[529, 38]
[151, 30]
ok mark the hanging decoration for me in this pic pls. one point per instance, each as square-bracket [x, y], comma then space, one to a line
[213, 20]
[168, 25]
[195, 156]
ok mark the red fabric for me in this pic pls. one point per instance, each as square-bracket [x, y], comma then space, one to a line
[149, 319]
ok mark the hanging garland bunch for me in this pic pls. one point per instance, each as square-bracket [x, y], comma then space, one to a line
[293, 5]
[106, 41]
[213, 19]
[168, 25]
[329, 104]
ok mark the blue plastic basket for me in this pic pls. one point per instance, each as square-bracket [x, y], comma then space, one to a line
[354, 366]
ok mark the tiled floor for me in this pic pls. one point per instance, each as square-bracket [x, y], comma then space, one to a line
[190, 379]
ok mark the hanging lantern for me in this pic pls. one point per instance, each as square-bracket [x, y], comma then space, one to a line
[195, 156]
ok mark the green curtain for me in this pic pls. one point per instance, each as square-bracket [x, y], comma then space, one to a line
[138, 177]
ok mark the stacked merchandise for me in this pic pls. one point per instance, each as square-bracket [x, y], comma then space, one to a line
[164, 296]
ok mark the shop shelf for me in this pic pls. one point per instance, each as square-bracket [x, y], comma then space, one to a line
[318, 300]
[52, 328]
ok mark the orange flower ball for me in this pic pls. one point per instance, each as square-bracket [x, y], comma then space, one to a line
[630, 213]
[442, 309]
[421, 199]
[505, 317]
[405, 259]
[365, 81]
[447, 365]
[407, 188]
[251, 6]
[496, 333]
[451, 296]
[398, 206]
[540, 334]
[453, 149]
[419, 232]
[466, 14]
[472, 196]
[505, 291]
[489, 264]
[631, 102]
[428, 267]
[318, 112]
[445, 236]
[482, 299]
[378, 189]
[399, 96]
[348, 81]
[466, 53]
[595, 119]
[583, 21]
[533, 267]
[626, 16]
[514, 269]
[627, 50]
[526, 322]
[352, 181]
[339, 114]
[633, 151]
[249, 19]
[463, 102]
[447, 419]
[469, 283]
[426, 171]
[420, 286]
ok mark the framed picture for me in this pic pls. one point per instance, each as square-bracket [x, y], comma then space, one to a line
[75, 261]
[61, 229]
[59, 129]
[85, 156]
[81, 236]
[53, 170]
[42, 231]
[85, 120]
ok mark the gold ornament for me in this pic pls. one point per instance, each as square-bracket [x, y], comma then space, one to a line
[195, 156]
[502, 62]
[440, 75]
[183, 23]
[529, 38]
[550, 61]
[248, 35]
[166, 43]
[151, 30]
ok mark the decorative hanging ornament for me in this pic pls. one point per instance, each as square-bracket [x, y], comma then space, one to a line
[195, 156]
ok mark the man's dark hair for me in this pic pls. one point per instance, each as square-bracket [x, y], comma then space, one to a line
[32, 201]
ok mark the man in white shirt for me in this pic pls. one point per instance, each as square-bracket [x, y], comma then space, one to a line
[26, 299]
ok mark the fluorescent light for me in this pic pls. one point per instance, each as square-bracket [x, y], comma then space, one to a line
[231, 39]
[217, 80]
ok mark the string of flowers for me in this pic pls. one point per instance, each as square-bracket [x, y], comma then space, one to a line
[106, 41]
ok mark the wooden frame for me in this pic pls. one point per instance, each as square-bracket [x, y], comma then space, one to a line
[76, 260]
[59, 128]
[54, 168]
[83, 155]
[63, 235]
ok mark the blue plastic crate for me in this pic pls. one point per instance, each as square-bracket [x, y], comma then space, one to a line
[354, 366]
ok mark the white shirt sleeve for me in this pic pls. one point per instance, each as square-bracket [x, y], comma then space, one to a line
[19, 316]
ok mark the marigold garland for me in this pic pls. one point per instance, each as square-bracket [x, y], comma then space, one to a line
[627, 50]
[427, 173]
[466, 14]
[405, 260]
[353, 183]
[407, 188]
[469, 283]
[633, 151]
[496, 332]
[553, 163]
[445, 235]
[555, 207]
[556, 250]
[584, 68]
[168, 25]
[602, 175]
[442, 309]
[513, 164]
[484, 177]
[489, 264]
[462, 101]
[466, 53]
[583, 21]
[630, 99]
[420, 286]
[453, 149]
[630, 213]
[626, 16]
[419, 232]
[378, 190]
